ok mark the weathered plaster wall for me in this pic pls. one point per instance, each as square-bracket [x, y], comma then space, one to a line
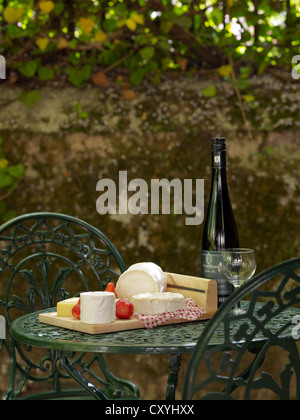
[72, 138]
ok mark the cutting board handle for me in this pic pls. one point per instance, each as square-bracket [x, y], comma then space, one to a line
[203, 291]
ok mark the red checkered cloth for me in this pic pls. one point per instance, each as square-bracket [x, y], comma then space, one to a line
[191, 312]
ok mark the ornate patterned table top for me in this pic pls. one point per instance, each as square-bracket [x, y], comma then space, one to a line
[171, 339]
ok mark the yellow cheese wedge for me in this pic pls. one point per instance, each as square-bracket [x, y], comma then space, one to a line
[64, 308]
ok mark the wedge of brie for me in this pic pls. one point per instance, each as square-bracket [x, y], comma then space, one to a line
[97, 307]
[157, 303]
[146, 277]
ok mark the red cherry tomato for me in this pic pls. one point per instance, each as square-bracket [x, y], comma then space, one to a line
[76, 310]
[124, 309]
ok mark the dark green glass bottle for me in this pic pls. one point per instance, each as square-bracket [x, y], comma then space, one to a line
[220, 229]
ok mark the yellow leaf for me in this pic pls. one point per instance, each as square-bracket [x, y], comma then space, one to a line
[42, 43]
[62, 43]
[231, 3]
[249, 98]
[46, 6]
[131, 24]
[13, 14]
[87, 25]
[3, 163]
[100, 36]
[138, 19]
[225, 71]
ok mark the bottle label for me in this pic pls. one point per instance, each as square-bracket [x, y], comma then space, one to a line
[210, 271]
[219, 160]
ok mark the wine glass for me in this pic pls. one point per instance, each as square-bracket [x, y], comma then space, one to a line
[237, 265]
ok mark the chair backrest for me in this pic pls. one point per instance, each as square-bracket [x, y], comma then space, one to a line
[241, 357]
[45, 258]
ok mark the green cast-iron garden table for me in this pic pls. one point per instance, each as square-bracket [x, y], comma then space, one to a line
[173, 340]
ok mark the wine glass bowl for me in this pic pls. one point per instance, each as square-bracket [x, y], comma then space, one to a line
[237, 265]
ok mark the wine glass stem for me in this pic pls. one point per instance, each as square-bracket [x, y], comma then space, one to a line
[238, 305]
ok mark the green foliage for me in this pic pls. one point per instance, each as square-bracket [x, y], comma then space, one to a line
[30, 98]
[79, 76]
[10, 176]
[47, 40]
[209, 91]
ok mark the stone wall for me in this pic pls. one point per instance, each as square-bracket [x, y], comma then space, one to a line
[72, 138]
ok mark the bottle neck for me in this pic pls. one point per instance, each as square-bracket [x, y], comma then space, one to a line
[219, 160]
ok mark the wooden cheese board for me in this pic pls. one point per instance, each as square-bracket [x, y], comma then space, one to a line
[203, 291]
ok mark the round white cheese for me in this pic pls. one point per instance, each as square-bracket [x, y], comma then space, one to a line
[157, 303]
[146, 277]
[97, 307]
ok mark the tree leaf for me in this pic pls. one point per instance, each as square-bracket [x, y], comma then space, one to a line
[128, 94]
[79, 76]
[5, 180]
[209, 91]
[225, 71]
[100, 79]
[147, 53]
[3, 163]
[249, 98]
[13, 14]
[62, 43]
[28, 68]
[138, 19]
[45, 74]
[87, 25]
[100, 36]
[183, 62]
[16, 171]
[42, 43]
[46, 6]
[137, 76]
[30, 99]
[131, 24]
[59, 8]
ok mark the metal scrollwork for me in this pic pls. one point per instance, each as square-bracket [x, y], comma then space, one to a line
[41, 254]
[267, 324]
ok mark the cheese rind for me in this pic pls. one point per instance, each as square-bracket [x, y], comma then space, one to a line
[97, 307]
[144, 277]
[157, 303]
[64, 308]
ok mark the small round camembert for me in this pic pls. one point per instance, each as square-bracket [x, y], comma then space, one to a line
[157, 303]
[97, 307]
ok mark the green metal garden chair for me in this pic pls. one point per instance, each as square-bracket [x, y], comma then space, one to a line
[45, 258]
[236, 369]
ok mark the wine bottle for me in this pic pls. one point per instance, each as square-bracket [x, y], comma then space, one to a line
[220, 229]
